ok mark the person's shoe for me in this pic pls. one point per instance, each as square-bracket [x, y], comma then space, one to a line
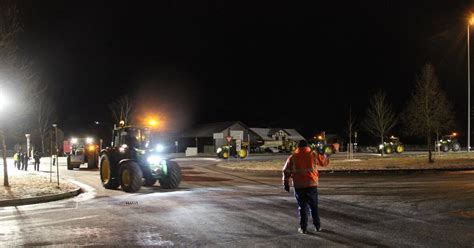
[318, 229]
[301, 230]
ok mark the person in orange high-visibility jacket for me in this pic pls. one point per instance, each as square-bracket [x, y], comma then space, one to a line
[301, 167]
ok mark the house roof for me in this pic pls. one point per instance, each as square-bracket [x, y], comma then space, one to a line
[294, 135]
[207, 130]
[266, 133]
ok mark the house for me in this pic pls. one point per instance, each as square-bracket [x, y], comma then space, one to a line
[208, 137]
[281, 138]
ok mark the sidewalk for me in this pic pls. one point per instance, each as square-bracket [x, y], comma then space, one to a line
[30, 187]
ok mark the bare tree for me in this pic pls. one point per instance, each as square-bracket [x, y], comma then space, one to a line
[10, 27]
[44, 117]
[428, 110]
[121, 109]
[380, 117]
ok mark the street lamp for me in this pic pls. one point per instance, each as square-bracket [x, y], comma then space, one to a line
[470, 22]
[56, 150]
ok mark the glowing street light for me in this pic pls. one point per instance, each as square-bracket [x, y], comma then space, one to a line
[153, 122]
[470, 22]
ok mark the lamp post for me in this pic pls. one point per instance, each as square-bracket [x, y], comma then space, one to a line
[56, 150]
[471, 22]
[4, 101]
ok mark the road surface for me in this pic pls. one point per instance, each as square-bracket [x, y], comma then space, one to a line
[217, 208]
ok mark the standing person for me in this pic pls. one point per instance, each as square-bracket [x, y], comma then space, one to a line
[37, 157]
[301, 167]
[25, 159]
[22, 160]
[16, 158]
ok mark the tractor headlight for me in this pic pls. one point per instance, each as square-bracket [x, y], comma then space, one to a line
[219, 150]
[122, 148]
[89, 140]
[380, 146]
[160, 148]
[74, 140]
[154, 159]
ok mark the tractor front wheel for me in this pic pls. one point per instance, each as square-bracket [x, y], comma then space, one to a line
[388, 149]
[172, 176]
[130, 176]
[107, 176]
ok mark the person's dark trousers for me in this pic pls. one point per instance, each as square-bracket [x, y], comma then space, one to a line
[22, 164]
[308, 197]
[17, 164]
[26, 165]
[37, 166]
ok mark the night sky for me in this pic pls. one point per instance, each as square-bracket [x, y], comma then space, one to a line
[278, 64]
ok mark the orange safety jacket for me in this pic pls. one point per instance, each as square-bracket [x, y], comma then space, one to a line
[301, 166]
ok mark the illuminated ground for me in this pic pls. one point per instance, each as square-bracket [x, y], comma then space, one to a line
[215, 208]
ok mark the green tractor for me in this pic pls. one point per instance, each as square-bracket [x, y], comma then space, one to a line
[132, 161]
[391, 145]
[322, 148]
[449, 142]
[226, 151]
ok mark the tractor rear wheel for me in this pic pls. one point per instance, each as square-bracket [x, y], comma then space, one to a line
[69, 165]
[456, 147]
[399, 149]
[445, 148]
[108, 177]
[149, 181]
[243, 153]
[131, 176]
[92, 161]
[328, 150]
[172, 176]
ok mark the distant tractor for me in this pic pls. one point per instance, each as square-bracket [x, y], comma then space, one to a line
[319, 144]
[391, 145]
[449, 142]
[81, 151]
[226, 151]
[133, 160]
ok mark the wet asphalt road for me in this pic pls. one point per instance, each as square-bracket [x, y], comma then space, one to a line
[217, 208]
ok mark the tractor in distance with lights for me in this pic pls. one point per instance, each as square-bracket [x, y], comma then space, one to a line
[134, 160]
[449, 142]
[80, 151]
[392, 144]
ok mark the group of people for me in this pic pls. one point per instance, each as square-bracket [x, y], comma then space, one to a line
[21, 160]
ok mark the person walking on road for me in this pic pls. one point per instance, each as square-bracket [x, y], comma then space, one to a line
[301, 167]
[37, 157]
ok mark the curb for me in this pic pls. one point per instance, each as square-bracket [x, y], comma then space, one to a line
[39, 199]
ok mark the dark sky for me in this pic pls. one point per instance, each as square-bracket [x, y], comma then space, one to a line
[280, 64]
